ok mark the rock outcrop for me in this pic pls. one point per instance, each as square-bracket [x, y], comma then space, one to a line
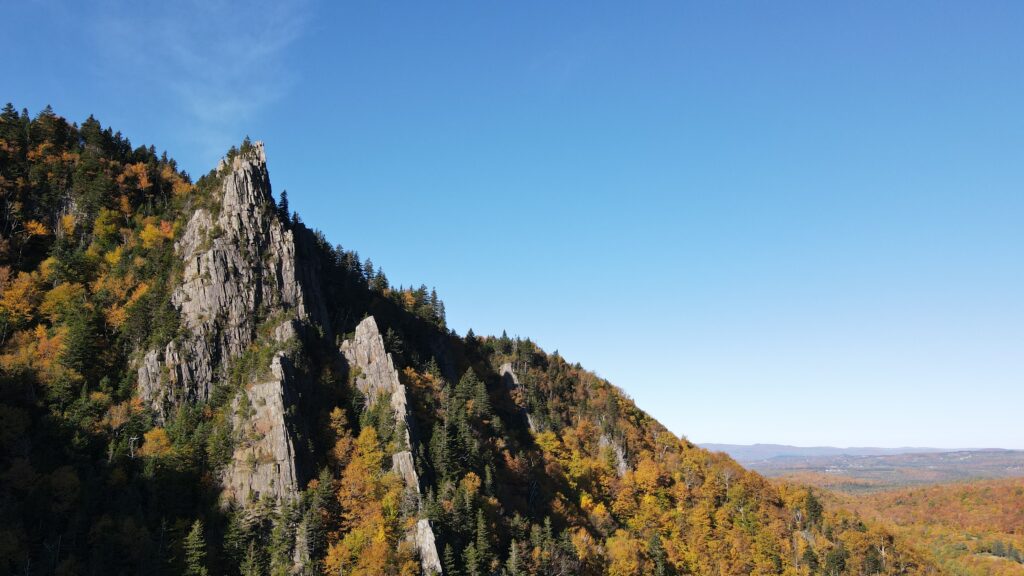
[511, 381]
[621, 466]
[240, 279]
[263, 462]
[424, 540]
[375, 373]
[375, 376]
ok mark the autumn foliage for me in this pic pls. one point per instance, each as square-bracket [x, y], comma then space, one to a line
[555, 472]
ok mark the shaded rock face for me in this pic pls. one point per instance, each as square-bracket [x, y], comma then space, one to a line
[402, 464]
[511, 381]
[375, 376]
[240, 268]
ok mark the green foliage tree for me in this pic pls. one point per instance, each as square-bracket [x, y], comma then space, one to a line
[195, 551]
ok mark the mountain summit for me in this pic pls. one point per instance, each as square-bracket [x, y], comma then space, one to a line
[195, 382]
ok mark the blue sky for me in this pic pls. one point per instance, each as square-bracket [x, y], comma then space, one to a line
[793, 222]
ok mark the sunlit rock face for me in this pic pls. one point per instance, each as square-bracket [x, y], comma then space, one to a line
[374, 375]
[240, 276]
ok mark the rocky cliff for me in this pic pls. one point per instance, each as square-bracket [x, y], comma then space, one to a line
[245, 302]
[240, 292]
[373, 372]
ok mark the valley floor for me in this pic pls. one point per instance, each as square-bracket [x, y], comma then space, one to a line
[967, 528]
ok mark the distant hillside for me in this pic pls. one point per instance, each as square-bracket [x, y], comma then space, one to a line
[969, 528]
[850, 473]
[746, 453]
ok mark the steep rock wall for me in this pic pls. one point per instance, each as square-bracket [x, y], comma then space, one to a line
[376, 377]
[240, 272]
[511, 381]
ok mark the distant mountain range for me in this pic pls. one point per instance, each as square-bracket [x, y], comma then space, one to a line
[749, 453]
[857, 469]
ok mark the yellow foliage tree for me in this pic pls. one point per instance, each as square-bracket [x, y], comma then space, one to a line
[154, 235]
[62, 299]
[624, 557]
[20, 298]
[157, 443]
[36, 228]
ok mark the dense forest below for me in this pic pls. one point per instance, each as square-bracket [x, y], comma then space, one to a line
[192, 382]
[973, 528]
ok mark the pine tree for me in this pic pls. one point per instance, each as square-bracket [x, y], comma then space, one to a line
[814, 508]
[251, 565]
[484, 556]
[658, 556]
[281, 538]
[810, 559]
[195, 551]
[873, 561]
[451, 567]
[513, 566]
[282, 205]
[470, 557]
[835, 561]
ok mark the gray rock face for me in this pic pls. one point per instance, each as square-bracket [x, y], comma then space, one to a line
[424, 538]
[376, 377]
[235, 262]
[240, 269]
[264, 459]
[508, 376]
[402, 464]
[621, 466]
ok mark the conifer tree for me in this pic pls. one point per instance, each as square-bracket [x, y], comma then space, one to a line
[513, 565]
[451, 567]
[195, 551]
[282, 205]
[484, 556]
[251, 565]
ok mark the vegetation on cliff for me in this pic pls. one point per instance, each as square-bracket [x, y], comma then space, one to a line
[528, 464]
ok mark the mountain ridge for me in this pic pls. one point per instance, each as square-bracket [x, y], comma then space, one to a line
[194, 379]
[758, 452]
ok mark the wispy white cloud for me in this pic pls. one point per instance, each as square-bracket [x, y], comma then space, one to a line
[219, 62]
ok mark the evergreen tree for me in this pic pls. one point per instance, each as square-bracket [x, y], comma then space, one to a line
[658, 556]
[250, 564]
[451, 567]
[282, 206]
[281, 538]
[471, 558]
[513, 566]
[835, 561]
[813, 507]
[195, 551]
[872, 561]
[482, 545]
[810, 559]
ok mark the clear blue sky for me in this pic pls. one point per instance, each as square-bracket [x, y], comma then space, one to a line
[794, 222]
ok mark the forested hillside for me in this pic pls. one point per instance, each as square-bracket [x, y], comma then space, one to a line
[194, 382]
[971, 528]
